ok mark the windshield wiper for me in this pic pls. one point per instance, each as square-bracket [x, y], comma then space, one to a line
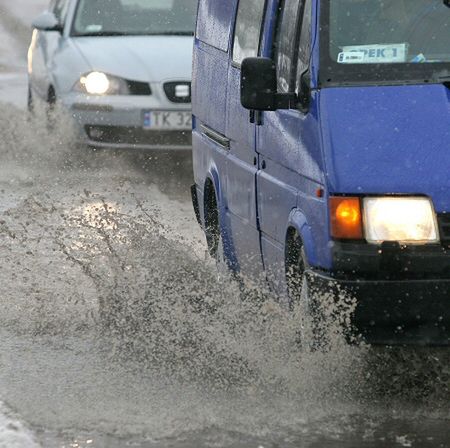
[174, 33]
[122, 33]
[103, 34]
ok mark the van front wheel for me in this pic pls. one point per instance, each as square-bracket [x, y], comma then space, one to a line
[30, 101]
[304, 301]
[223, 270]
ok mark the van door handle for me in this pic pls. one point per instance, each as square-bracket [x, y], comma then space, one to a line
[264, 165]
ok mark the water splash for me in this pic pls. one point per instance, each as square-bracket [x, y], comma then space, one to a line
[88, 256]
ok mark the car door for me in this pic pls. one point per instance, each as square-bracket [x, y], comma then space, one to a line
[44, 46]
[242, 157]
[281, 138]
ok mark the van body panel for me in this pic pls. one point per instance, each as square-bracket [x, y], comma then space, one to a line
[398, 145]
[278, 170]
[242, 170]
[209, 87]
[292, 176]
[241, 176]
[298, 221]
[210, 65]
[214, 23]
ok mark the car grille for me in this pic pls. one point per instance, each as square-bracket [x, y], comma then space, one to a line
[444, 225]
[117, 135]
[178, 92]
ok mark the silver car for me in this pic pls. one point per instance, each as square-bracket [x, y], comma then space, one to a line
[122, 68]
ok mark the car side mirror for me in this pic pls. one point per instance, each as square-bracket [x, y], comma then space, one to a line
[259, 86]
[47, 21]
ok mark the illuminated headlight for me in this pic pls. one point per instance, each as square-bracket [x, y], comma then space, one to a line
[98, 83]
[407, 220]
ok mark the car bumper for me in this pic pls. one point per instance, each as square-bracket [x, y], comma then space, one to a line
[117, 122]
[392, 312]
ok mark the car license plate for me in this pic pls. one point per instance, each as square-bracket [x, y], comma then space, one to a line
[164, 120]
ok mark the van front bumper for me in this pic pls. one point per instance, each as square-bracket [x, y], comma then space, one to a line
[392, 312]
[402, 294]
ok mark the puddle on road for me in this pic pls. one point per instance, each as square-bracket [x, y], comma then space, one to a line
[117, 331]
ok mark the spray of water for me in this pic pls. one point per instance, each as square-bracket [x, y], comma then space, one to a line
[80, 258]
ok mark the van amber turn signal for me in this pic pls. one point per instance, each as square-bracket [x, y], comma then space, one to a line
[346, 218]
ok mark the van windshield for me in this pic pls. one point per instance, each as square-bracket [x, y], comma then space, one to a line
[385, 38]
[134, 17]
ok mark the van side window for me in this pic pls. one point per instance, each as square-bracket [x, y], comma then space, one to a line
[304, 52]
[247, 32]
[60, 10]
[286, 44]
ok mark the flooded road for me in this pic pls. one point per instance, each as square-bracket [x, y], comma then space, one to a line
[115, 330]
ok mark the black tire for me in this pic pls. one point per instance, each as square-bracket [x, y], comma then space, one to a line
[214, 236]
[304, 297]
[296, 265]
[30, 101]
[212, 225]
[50, 109]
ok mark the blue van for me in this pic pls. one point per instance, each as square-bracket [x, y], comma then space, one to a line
[321, 146]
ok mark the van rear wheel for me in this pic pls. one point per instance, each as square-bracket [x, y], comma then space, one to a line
[214, 236]
[212, 228]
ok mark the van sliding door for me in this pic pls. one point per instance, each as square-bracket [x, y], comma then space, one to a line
[242, 159]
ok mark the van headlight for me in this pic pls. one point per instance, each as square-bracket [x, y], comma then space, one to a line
[409, 220]
[99, 83]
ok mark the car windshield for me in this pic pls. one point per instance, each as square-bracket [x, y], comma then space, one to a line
[135, 17]
[385, 33]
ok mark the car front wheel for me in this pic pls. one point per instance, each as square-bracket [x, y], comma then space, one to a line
[30, 101]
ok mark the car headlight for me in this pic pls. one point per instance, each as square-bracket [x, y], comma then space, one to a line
[98, 83]
[406, 220]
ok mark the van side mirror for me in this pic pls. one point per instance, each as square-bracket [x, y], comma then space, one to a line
[259, 86]
[47, 21]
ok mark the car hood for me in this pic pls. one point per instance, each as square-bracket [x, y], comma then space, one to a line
[381, 140]
[139, 58]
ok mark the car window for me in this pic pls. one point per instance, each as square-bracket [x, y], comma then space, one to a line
[60, 10]
[135, 17]
[247, 32]
[285, 43]
[305, 39]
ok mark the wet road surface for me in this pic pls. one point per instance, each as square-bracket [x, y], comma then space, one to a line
[115, 330]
